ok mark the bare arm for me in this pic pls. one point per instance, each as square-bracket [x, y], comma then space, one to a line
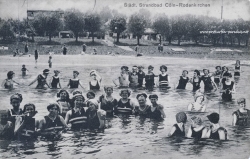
[101, 116]
[15, 82]
[222, 134]
[33, 82]
[3, 83]
[67, 117]
[189, 134]
[63, 122]
[172, 131]
[80, 84]
[234, 120]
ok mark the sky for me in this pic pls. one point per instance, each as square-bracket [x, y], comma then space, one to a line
[232, 9]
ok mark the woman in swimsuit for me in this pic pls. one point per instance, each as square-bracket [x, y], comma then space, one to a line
[123, 78]
[196, 130]
[178, 129]
[125, 102]
[8, 83]
[63, 102]
[41, 80]
[216, 131]
[196, 80]
[217, 75]
[237, 68]
[95, 83]
[55, 81]
[164, 79]
[183, 80]
[74, 82]
[198, 105]
[209, 84]
[241, 117]
[227, 88]
[108, 102]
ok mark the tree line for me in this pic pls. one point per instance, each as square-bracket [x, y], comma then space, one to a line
[169, 28]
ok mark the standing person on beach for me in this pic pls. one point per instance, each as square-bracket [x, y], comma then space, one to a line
[84, 47]
[26, 49]
[64, 49]
[36, 55]
[41, 80]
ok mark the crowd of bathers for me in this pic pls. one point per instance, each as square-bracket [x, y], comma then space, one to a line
[75, 112]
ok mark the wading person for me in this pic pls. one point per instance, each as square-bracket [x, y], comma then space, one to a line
[123, 78]
[125, 105]
[178, 129]
[198, 105]
[196, 130]
[196, 81]
[241, 117]
[227, 88]
[41, 80]
[74, 82]
[63, 102]
[183, 80]
[9, 82]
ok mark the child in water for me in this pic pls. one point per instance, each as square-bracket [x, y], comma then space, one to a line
[55, 81]
[237, 68]
[178, 129]
[24, 70]
[95, 82]
[9, 82]
[50, 61]
[183, 80]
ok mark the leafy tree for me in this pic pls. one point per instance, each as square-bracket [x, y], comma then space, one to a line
[92, 24]
[106, 14]
[137, 25]
[50, 23]
[6, 31]
[117, 25]
[74, 21]
[179, 27]
[195, 25]
[162, 26]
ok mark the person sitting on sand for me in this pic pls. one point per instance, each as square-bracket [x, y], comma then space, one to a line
[183, 80]
[156, 110]
[125, 102]
[95, 83]
[164, 79]
[24, 70]
[123, 78]
[63, 102]
[107, 101]
[241, 117]
[95, 117]
[76, 117]
[196, 80]
[74, 82]
[41, 80]
[196, 130]
[216, 131]
[178, 129]
[198, 105]
[209, 84]
[227, 88]
[9, 82]
[55, 81]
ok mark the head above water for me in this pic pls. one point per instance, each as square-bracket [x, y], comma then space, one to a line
[150, 67]
[54, 106]
[16, 96]
[10, 74]
[46, 71]
[163, 68]
[181, 117]
[196, 120]
[63, 94]
[93, 102]
[214, 118]
[218, 67]
[90, 94]
[76, 72]
[241, 100]
[30, 107]
[197, 72]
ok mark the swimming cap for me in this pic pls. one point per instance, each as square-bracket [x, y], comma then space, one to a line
[16, 96]
[94, 101]
[153, 96]
[241, 100]
[141, 94]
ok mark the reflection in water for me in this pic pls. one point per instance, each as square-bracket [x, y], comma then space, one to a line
[132, 136]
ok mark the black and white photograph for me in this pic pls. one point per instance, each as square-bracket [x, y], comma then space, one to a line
[125, 79]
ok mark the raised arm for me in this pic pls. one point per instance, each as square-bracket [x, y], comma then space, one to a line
[33, 82]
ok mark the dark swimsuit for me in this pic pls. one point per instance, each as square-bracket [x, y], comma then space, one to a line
[50, 123]
[93, 123]
[242, 118]
[178, 132]
[197, 134]
[78, 126]
[41, 81]
[215, 135]
[182, 83]
[54, 82]
[96, 87]
[108, 106]
[196, 85]
[226, 96]
[141, 75]
[163, 81]
[73, 83]
[216, 78]
[208, 86]
[120, 104]
[156, 114]
[149, 81]
[237, 73]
